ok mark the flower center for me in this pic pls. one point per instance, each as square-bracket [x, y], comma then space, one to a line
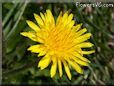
[59, 41]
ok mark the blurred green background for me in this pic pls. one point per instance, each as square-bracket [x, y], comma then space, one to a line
[20, 66]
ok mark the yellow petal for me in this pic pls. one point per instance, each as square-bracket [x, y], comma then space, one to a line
[42, 53]
[42, 16]
[36, 48]
[33, 47]
[82, 38]
[40, 40]
[70, 25]
[38, 19]
[47, 21]
[65, 16]
[85, 45]
[50, 16]
[44, 62]
[70, 17]
[88, 52]
[60, 68]
[80, 57]
[77, 27]
[33, 25]
[59, 18]
[30, 34]
[83, 63]
[41, 35]
[53, 67]
[67, 70]
[64, 25]
[76, 67]
[81, 32]
[78, 50]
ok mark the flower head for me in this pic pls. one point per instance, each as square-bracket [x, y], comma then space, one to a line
[61, 42]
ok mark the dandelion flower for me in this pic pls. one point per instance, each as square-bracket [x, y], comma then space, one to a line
[60, 42]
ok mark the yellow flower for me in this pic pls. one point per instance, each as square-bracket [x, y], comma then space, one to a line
[61, 42]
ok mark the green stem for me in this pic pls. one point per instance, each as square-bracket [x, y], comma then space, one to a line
[9, 15]
[13, 29]
[22, 67]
